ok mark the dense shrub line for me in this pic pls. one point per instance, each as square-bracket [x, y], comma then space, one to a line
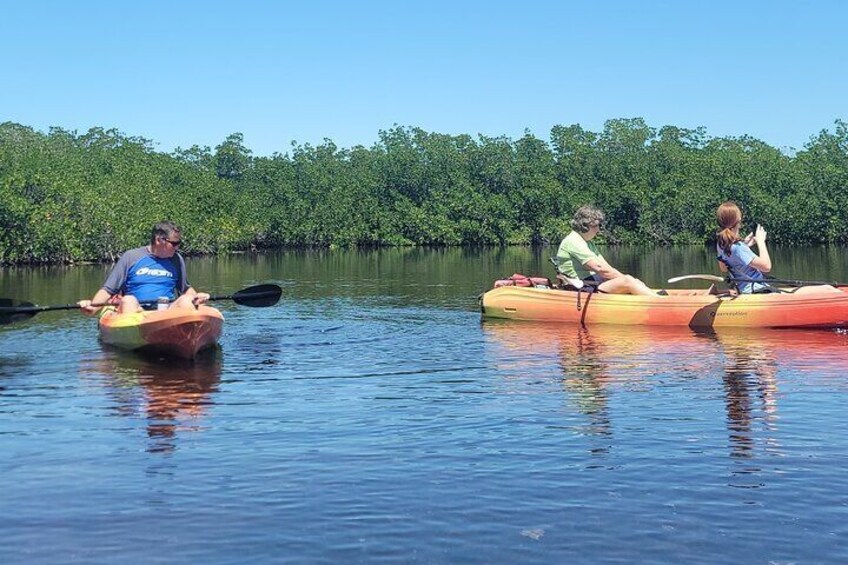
[66, 197]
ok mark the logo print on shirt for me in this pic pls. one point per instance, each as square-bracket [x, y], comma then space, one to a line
[154, 272]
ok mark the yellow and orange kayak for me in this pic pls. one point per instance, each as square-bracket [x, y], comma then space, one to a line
[180, 332]
[809, 307]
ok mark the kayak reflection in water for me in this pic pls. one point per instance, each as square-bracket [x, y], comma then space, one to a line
[579, 258]
[145, 274]
[171, 397]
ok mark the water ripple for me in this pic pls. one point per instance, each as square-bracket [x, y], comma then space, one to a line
[350, 430]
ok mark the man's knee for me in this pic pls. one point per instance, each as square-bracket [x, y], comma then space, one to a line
[129, 304]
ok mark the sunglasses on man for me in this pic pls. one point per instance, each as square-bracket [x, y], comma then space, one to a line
[174, 243]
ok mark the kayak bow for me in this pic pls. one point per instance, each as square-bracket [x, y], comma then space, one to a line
[179, 332]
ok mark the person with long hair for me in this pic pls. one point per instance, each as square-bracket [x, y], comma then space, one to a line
[734, 252]
[579, 258]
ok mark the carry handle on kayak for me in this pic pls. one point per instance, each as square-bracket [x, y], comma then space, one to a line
[258, 296]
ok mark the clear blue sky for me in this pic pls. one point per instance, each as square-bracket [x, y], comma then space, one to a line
[192, 72]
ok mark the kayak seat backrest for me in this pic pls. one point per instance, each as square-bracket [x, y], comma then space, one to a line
[567, 283]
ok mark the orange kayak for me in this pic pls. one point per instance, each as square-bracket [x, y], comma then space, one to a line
[180, 332]
[809, 307]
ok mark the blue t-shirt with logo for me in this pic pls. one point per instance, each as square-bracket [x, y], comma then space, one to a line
[141, 274]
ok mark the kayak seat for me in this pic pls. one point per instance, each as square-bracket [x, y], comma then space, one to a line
[713, 291]
[576, 285]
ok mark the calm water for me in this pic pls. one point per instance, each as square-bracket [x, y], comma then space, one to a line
[371, 416]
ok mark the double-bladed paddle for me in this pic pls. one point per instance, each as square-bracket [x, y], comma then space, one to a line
[785, 282]
[257, 296]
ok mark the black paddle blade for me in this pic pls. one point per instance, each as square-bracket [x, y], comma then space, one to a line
[258, 296]
[12, 311]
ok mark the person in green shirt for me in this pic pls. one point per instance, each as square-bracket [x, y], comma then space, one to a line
[579, 258]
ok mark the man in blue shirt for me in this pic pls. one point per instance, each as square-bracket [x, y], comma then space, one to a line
[143, 275]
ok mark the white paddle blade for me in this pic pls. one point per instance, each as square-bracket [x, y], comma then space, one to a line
[713, 278]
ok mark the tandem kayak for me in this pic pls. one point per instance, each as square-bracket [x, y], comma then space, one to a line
[180, 332]
[810, 307]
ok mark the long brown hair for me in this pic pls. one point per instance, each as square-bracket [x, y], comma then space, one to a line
[729, 216]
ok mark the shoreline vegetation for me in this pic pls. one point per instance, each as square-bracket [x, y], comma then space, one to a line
[70, 198]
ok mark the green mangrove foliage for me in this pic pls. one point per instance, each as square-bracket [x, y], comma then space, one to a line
[66, 197]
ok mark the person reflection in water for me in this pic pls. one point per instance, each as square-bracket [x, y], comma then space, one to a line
[582, 372]
[173, 397]
[751, 394]
[750, 389]
[584, 377]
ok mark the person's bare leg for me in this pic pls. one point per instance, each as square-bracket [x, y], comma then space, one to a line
[129, 304]
[626, 284]
[816, 289]
[183, 301]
